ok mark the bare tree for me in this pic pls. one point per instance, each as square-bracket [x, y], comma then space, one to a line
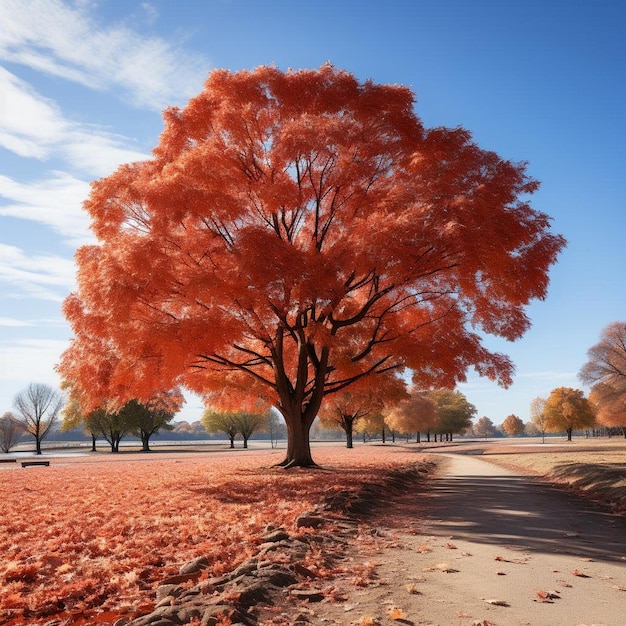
[605, 372]
[38, 408]
[10, 431]
[538, 416]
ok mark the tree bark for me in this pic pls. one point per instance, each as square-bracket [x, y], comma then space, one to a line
[349, 437]
[298, 442]
[37, 444]
[569, 434]
[93, 442]
[232, 442]
[145, 442]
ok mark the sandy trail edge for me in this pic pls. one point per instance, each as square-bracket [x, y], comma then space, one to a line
[481, 534]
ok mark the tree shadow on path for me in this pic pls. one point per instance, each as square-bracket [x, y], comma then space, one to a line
[483, 503]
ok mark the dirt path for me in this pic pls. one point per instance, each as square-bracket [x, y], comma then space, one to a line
[488, 546]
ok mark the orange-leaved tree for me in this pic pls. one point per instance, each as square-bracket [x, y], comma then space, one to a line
[413, 414]
[567, 409]
[513, 426]
[295, 232]
[606, 372]
[347, 408]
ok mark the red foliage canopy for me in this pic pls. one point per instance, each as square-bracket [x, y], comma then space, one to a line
[295, 232]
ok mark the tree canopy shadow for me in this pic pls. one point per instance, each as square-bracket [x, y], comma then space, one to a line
[524, 513]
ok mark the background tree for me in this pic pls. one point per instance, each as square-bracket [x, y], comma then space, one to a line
[346, 408]
[538, 416]
[531, 430]
[249, 423]
[413, 414]
[72, 415]
[221, 421]
[112, 424]
[371, 425]
[275, 426]
[513, 426]
[11, 431]
[343, 410]
[484, 427]
[454, 412]
[566, 410]
[605, 372]
[332, 238]
[145, 419]
[38, 407]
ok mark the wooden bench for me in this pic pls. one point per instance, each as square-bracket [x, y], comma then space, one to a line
[27, 463]
[8, 460]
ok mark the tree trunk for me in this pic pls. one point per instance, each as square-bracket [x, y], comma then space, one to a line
[93, 442]
[428, 436]
[383, 434]
[232, 442]
[37, 444]
[145, 442]
[349, 436]
[418, 437]
[245, 442]
[298, 442]
[569, 434]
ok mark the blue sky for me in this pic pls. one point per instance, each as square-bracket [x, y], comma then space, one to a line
[83, 84]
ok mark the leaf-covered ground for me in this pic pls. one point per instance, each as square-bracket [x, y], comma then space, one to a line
[87, 539]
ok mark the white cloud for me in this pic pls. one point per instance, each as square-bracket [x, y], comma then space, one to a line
[45, 276]
[25, 361]
[29, 123]
[549, 375]
[55, 202]
[14, 323]
[33, 126]
[51, 36]
[97, 152]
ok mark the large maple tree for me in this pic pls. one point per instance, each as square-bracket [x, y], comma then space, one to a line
[295, 232]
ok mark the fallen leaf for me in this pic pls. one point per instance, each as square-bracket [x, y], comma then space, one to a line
[547, 596]
[618, 587]
[396, 614]
[444, 567]
[580, 574]
[500, 574]
[498, 602]
[451, 546]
